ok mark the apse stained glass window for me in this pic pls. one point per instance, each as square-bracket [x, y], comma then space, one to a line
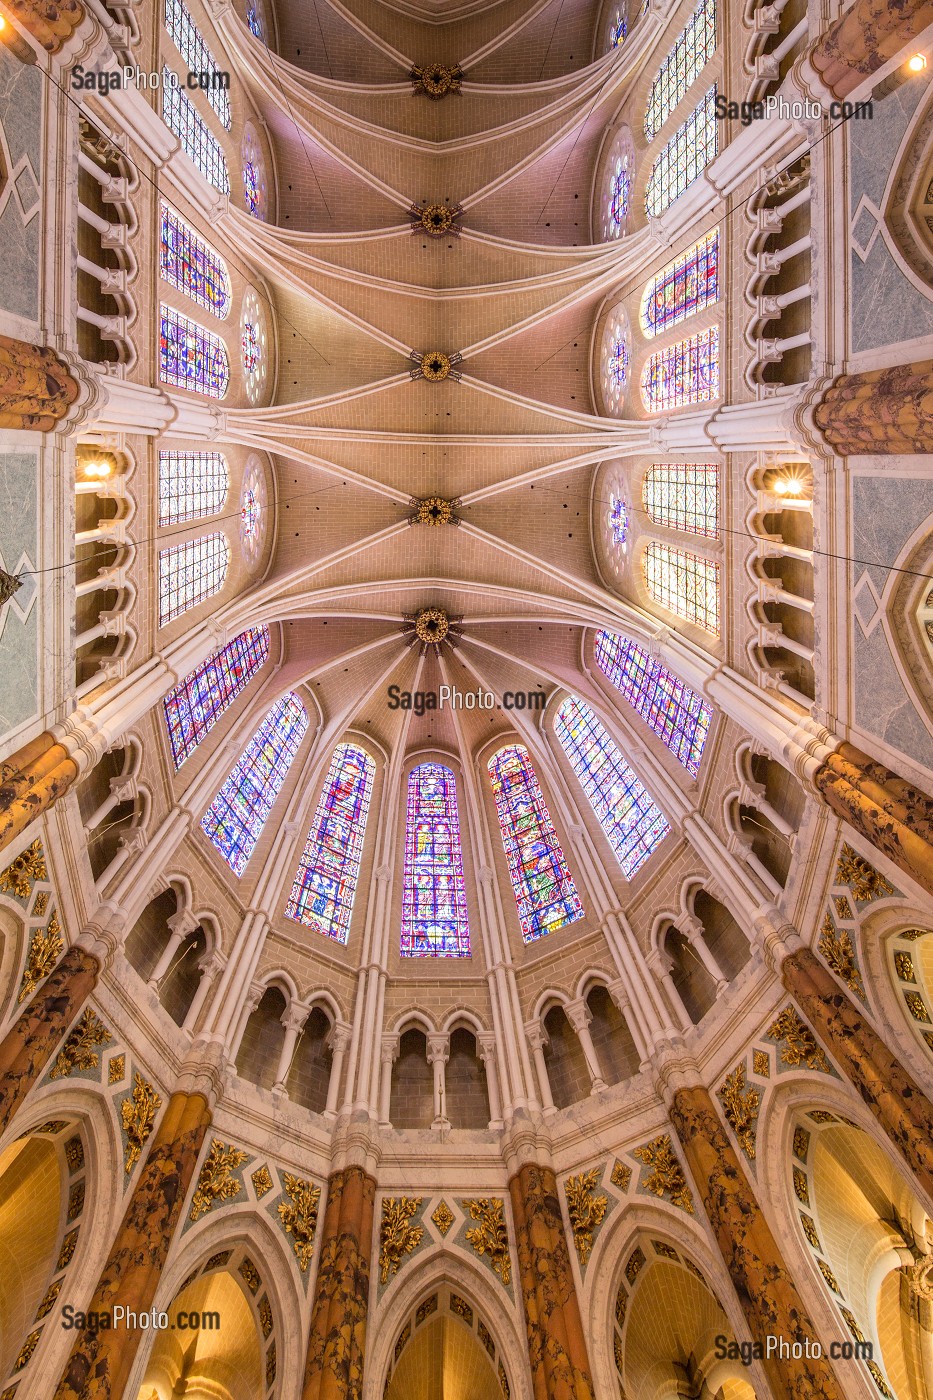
[195, 704]
[191, 265]
[198, 142]
[678, 715]
[434, 910]
[191, 485]
[683, 373]
[191, 572]
[253, 510]
[688, 152]
[693, 49]
[237, 815]
[615, 361]
[254, 18]
[618, 520]
[685, 583]
[684, 496]
[192, 357]
[682, 288]
[544, 891]
[617, 187]
[634, 826]
[254, 173]
[618, 28]
[325, 884]
[190, 43]
[253, 345]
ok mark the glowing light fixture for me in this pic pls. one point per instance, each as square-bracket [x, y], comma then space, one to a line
[917, 63]
[97, 470]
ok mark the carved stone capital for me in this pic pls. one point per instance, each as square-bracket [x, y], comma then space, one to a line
[438, 1048]
[536, 1035]
[390, 1049]
[578, 1014]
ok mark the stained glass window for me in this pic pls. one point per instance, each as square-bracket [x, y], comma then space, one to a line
[684, 496]
[618, 28]
[191, 572]
[434, 911]
[615, 361]
[254, 18]
[633, 824]
[325, 884]
[618, 520]
[689, 151]
[617, 186]
[544, 891]
[253, 510]
[678, 715]
[685, 286]
[683, 373]
[192, 357]
[686, 583]
[237, 815]
[195, 704]
[191, 485]
[198, 142]
[253, 345]
[254, 173]
[190, 43]
[191, 265]
[693, 49]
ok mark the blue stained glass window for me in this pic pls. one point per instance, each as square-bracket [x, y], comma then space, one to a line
[683, 373]
[633, 824]
[190, 264]
[237, 815]
[254, 20]
[192, 357]
[684, 496]
[618, 364]
[618, 519]
[198, 142]
[191, 572]
[678, 715]
[325, 884]
[544, 891]
[195, 704]
[687, 154]
[687, 584]
[190, 43]
[618, 28]
[434, 910]
[191, 485]
[693, 49]
[685, 286]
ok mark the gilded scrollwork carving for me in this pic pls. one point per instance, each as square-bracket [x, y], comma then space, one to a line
[216, 1181]
[865, 882]
[586, 1209]
[299, 1216]
[22, 873]
[490, 1236]
[80, 1049]
[665, 1177]
[398, 1237]
[45, 949]
[137, 1117]
[797, 1042]
[837, 949]
[741, 1103]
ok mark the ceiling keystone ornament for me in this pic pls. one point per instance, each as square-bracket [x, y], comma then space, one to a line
[299, 1216]
[216, 1181]
[433, 510]
[137, 1117]
[436, 80]
[741, 1104]
[586, 1210]
[436, 220]
[397, 1235]
[490, 1237]
[431, 627]
[79, 1050]
[435, 366]
[45, 949]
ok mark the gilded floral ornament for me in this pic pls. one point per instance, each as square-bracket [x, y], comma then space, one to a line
[434, 511]
[435, 365]
[137, 1116]
[586, 1210]
[443, 1217]
[262, 1181]
[79, 1050]
[217, 1182]
[436, 80]
[299, 1216]
[836, 947]
[490, 1236]
[45, 950]
[435, 220]
[797, 1042]
[23, 872]
[865, 882]
[665, 1177]
[431, 628]
[397, 1235]
[740, 1105]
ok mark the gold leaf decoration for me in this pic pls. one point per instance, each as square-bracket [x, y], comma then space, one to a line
[634, 1265]
[299, 1215]
[490, 1236]
[586, 1210]
[809, 1229]
[665, 1176]
[801, 1143]
[27, 1349]
[828, 1274]
[249, 1274]
[621, 1176]
[397, 1235]
[116, 1069]
[761, 1064]
[217, 1182]
[801, 1186]
[741, 1104]
[797, 1041]
[865, 882]
[843, 908]
[23, 872]
[265, 1317]
[917, 1006]
[137, 1116]
[836, 947]
[262, 1181]
[45, 950]
[443, 1217]
[79, 1050]
[904, 967]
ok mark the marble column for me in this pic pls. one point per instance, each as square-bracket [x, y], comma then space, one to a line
[35, 776]
[438, 1055]
[294, 1023]
[390, 1049]
[580, 1016]
[863, 39]
[338, 1040]
[99, 1365]
[537, 1039]
[881, 410]
[36, 389]
[695, 934]
[883, 1084]
[337, 1341]
[560, 1368]
[891, 813]
[765, 1289]
[486, 1044]
[35, 1035]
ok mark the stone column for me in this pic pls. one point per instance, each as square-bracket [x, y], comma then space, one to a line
[863, 39]
[337, 1340]
[99, 1365]
[884, 1085]
[35, 776]
[560, 1368]
[390, 1049]
[36, 389]
[695, 935]
[661, 965]
[180, 924]
[250, 1002]
[537, 1039]
[209, 968]
[294, 1023]
[438, 1055]
[891, 813]
[339, 1039]
[580, 1016]
[487, 1053]
[765, 1289]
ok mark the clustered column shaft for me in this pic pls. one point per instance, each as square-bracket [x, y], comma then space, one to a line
[337, 1342]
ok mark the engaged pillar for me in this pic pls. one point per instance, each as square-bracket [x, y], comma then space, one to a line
[337, 1340]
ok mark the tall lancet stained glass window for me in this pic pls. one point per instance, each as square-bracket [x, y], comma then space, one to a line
[191, 572]
[633, 824]
[686, 583]
[325, 884]
[684, 372]
[693, 49]
[678, 715]
[237, 815]
[684, 496]
[434, 910]
[192, 357]
[192, 485]
[198, 142]
[544, 891]
[689, 151]
[188, 262]
[194, 705]
[190, 43]
[683, 287]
